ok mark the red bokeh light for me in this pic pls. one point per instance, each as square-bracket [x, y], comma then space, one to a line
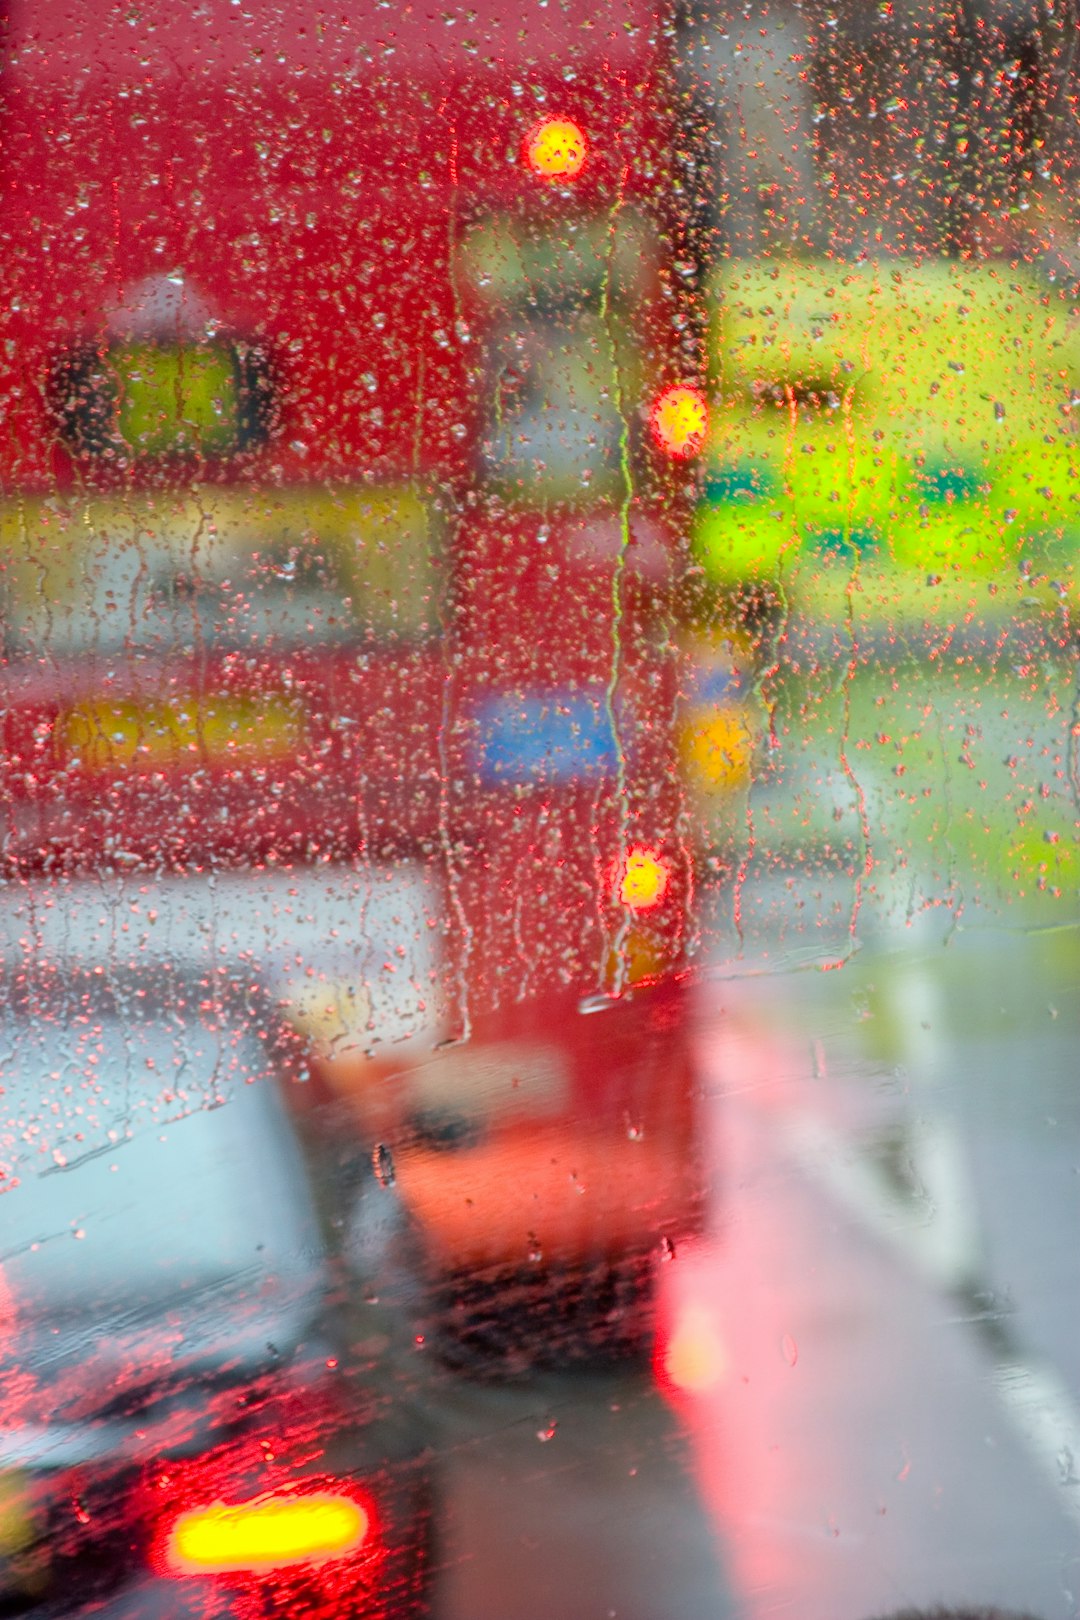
[556, 149]
[643, 879]
[680, 421]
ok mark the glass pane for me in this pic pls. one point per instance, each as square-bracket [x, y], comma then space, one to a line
[539, 809]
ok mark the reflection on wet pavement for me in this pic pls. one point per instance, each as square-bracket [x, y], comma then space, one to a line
[891, 1297]
[572, 1496]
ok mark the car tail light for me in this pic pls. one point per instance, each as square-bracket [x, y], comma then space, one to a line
[649, 942]
[267, 1533]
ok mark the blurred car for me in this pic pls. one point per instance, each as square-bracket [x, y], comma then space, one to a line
[893, 446]
[192, 1420]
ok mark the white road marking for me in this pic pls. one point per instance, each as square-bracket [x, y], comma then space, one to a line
[937, 1235]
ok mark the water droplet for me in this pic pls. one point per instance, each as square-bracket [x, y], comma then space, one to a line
[599, 1002]
[790, 1349]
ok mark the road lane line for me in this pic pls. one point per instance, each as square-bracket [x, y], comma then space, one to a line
[938, 1237]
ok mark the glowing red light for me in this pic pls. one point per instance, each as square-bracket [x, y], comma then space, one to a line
[556, 149]
[643, 879]
[680, 420]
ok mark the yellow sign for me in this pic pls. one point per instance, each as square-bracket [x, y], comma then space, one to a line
[893, 443]
[214, 566]
[107, 734]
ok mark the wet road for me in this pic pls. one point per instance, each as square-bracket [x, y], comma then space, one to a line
[871, 1374]
[573, 1496]
[897, 1283]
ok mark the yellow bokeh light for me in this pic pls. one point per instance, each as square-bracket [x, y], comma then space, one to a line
[639, 959]
[694, 1360]
[267, 1534]
[717, 749]
[680, 417]
[556, 149]
[644, 880]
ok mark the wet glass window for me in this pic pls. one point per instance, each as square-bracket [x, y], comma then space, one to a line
[539, 809]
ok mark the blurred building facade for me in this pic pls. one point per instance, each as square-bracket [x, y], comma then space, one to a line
[899, 126]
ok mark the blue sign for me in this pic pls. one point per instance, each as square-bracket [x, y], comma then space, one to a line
[554, 737]
[713, 685]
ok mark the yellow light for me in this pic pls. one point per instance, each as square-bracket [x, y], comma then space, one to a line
[556, 149]
[717, 748]
[694, 1359]
[680, 417]
[266, 1534]
[639, 959]
[16, 1517]
[644, 880]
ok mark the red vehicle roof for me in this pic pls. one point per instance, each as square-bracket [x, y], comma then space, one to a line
[307, 174]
